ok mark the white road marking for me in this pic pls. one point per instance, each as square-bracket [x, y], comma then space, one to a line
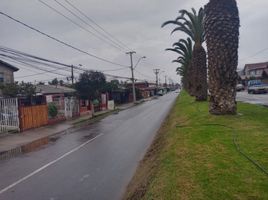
[47, 165]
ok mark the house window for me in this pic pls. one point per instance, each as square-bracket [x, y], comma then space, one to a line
[1, 77]
[259, 72]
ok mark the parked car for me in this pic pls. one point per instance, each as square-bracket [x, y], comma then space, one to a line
[257, 87]
[240, 87]
[160, 93]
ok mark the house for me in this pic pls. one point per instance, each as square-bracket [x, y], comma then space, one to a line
[254, 71]
[146, 89]
[63, 98]
[7, 72]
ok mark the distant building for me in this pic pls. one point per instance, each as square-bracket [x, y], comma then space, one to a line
[254, 71]
[7, 72]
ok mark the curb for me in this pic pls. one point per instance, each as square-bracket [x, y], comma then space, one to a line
[34, 145]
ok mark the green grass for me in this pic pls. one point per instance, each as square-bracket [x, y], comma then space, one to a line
[195, 159]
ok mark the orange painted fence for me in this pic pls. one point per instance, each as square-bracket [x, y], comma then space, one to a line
[33, 117]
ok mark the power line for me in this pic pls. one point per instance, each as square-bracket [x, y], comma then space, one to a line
[85, 22]
[37, 74]
[257, 53]
[20, 60]
[75, 23]
[60, 41]
[13, 59]
[96, 24]
[144, 75]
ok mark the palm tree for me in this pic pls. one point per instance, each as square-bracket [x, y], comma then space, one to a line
[184, 48]
[191, 23]
[222, 37]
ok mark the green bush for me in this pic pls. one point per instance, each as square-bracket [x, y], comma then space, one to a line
[52, 110]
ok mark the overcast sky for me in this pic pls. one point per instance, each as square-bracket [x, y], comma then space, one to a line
[135, 23]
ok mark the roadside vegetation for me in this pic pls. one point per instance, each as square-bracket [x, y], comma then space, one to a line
[194, 155]
[217, 24]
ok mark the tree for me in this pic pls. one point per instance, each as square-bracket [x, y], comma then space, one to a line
[191, 23]
[54, 82]
[222, 37]
[16, 89]
[111, 86]
[184, 48]
[91, 84]
[10, 89]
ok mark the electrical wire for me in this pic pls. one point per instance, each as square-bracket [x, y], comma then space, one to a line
[75, 23]
[118, 46]
[252, 56]
[62, 42]
[22, 57]
[144, 75]
[96, 24]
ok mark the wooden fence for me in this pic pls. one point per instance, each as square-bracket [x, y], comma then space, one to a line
[9, 118]
[33, 117]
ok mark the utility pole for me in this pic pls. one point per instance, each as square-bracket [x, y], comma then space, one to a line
[165, 80]
[72, 74]
[156, 71]
[132, 74]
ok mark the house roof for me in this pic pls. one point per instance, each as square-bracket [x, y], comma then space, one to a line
[53, 89]
[256, 66]
[9, 66]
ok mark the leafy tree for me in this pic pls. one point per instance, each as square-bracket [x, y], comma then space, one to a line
[27, 89]
[15, 89]
[91, 84]
[111, 86]
[192, 24]
[54, 82]
[61, 82]
[10, 89]
[222, 36]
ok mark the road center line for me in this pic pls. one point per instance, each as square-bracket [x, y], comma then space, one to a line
[47, 165]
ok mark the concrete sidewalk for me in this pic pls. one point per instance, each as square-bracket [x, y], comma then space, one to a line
[14, 144]
[27, 141]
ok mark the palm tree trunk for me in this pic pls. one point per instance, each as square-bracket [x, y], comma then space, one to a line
[190, 79]
[200, 72]
[222, 36]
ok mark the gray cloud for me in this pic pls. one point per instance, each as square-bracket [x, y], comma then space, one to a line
[136, 23]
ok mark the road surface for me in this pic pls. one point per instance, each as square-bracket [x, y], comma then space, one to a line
[261, 99]
[93, 163]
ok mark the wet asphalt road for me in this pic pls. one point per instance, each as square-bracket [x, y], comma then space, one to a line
[261, 99]
[94, 163]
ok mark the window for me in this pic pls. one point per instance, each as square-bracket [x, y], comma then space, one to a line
[1, 77]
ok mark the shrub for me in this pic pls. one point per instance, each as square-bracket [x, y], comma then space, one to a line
[52, 110]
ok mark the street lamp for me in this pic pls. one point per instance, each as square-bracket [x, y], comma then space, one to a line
[143, 57]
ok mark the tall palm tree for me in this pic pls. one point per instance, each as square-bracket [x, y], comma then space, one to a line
[184, 48]
[222, 37]
[191, 23]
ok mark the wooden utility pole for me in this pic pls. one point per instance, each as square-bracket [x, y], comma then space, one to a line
[132, 75]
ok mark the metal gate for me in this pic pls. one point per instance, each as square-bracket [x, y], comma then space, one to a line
[9, 115]
[71, 107]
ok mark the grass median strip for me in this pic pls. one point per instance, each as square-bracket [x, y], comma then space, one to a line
[194, 155]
